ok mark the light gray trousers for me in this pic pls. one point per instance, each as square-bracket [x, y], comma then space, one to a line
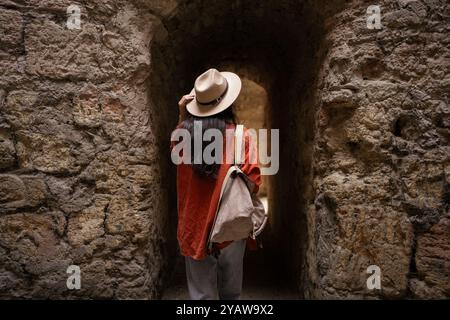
[221, 277]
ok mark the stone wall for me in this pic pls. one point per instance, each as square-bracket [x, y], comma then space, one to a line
[85, 116]
[80, 181]
[382, 156]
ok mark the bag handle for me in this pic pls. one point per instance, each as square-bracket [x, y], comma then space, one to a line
[238, 133]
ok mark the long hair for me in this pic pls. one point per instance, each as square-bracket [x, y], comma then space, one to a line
[216, 121]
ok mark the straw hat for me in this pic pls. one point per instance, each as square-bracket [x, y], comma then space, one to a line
[214, 92]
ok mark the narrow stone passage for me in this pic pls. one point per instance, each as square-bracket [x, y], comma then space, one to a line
[264, 278]
[279, 69]
[86, 177]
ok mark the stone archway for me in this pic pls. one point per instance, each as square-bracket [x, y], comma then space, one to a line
[278, 46]
[85, 117]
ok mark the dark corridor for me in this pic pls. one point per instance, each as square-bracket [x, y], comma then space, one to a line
[278, 47]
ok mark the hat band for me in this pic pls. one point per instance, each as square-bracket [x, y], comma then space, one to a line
[217, 100]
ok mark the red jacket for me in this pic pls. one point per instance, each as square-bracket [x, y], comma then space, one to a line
[198, 198]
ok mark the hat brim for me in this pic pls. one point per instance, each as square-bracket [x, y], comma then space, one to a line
[234, 88]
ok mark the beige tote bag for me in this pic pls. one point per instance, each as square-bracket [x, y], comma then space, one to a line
[240, 212]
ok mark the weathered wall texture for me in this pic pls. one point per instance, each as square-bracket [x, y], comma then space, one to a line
[85, 177]
[382, 156]
[80, 178]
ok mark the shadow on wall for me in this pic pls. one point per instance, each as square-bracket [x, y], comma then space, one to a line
[278, 46]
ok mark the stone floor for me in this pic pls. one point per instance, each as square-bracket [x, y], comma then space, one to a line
[260, 282]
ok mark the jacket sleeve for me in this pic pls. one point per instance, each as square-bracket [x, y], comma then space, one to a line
[250, 166]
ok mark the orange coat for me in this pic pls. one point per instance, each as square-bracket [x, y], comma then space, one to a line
[198, 198]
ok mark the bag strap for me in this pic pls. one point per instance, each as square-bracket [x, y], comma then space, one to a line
[238, 134]
[238, 140]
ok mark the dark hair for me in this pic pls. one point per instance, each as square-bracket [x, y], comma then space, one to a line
[216, 121]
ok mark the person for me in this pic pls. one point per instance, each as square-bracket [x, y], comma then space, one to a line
[211, 273]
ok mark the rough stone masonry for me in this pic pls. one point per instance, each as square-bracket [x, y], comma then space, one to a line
[84, 143]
